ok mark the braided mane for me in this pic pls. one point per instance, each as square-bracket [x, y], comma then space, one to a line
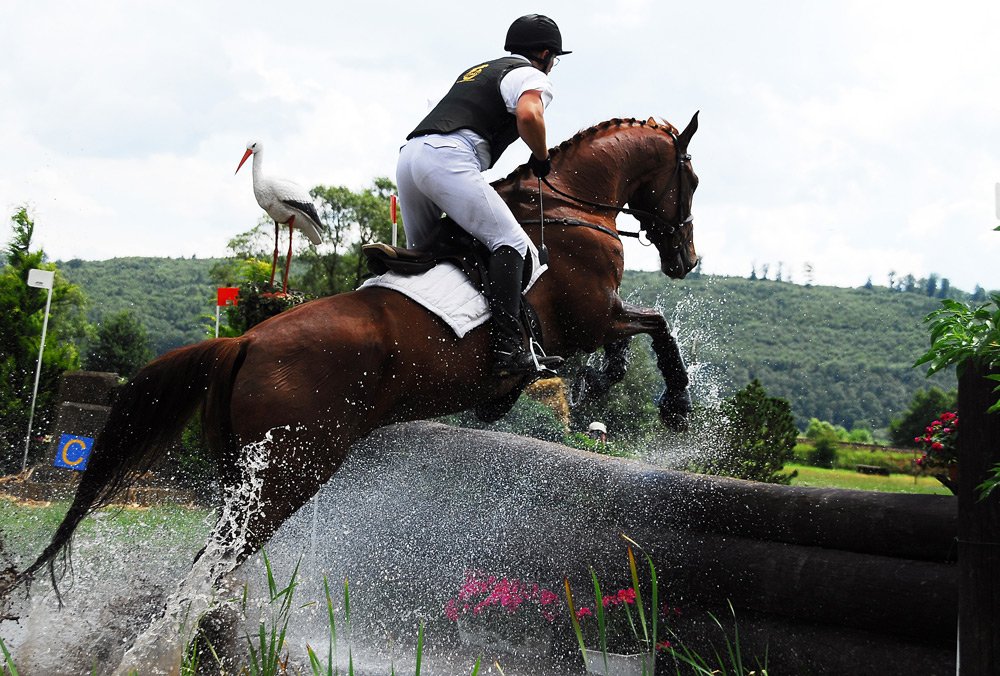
[596, 130]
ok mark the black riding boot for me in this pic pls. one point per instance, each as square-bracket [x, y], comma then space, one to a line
[506, 268]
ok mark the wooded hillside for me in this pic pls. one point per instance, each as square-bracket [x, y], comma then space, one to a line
[840, 355]
[168, 295]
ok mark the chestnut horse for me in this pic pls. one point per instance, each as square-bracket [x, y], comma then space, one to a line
[317, 378]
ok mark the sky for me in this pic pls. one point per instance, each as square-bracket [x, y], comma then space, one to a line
[854, 138]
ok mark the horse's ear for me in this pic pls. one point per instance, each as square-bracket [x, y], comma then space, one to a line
[688, 132]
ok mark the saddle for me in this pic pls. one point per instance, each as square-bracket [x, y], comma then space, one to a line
[455, 245]
[451, 244]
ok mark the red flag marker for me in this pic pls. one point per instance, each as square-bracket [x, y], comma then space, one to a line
[228, 296]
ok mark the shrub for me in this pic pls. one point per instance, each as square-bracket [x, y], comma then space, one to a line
[759, 438]
[824, 452]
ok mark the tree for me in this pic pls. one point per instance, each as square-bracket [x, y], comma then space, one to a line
[121, 346]
[22, 313]
[354, 219]
[945, 289]
[931, 284]
[923, 410]
[860, 435]
[759, 438]
[250, 260]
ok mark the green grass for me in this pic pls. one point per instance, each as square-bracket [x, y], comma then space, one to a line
[844, 478]
[27, 527]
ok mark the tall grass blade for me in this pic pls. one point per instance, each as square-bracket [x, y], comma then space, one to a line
[420, 647]
[601, 629]
[331, 650]
[8, 659]
[638, 594]
[576, 621]
[317, 666]
[347, 622]
[475, 669]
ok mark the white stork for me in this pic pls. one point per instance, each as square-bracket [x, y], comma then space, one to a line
[286, 203]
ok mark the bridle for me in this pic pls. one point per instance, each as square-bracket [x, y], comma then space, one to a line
[649, 222]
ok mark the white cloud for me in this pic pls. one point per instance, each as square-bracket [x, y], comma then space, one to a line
[856, 136]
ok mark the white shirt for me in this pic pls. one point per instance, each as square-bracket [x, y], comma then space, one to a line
[520, 80]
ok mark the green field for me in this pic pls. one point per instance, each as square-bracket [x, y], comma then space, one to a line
[845, 478]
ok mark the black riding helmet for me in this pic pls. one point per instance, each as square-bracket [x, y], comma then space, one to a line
[534, 32]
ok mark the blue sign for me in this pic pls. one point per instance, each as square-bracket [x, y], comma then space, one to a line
[73, 452]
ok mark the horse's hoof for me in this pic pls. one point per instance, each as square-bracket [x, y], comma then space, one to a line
[675, 422]
[674, 409]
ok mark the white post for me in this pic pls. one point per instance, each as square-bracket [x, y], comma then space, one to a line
[217, 321]
[40, 279]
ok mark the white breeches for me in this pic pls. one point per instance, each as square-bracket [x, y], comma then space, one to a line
[438, 174]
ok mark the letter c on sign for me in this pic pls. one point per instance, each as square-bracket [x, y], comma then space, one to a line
[65, 450]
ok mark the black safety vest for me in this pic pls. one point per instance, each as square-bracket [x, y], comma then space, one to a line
[474, 102]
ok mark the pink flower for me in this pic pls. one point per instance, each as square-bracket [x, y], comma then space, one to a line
[937, 446]
[626, 595]
[584, 612]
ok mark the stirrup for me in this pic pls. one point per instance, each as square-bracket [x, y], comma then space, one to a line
[543, 363]
[524, 363]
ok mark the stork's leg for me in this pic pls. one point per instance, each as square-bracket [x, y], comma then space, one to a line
[288, 259]
[274, 261]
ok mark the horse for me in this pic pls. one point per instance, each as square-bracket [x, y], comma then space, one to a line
[314, 379]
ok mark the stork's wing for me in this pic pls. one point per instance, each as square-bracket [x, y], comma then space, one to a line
[313, 227]
[294, 196]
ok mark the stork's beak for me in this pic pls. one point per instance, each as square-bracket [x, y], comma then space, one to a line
[247, 154]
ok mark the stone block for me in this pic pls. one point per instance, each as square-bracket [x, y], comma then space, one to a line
[88, 387]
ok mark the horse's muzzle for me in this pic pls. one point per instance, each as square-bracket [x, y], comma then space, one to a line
[676, 264]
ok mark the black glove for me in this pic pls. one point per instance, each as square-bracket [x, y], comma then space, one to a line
[539, 168]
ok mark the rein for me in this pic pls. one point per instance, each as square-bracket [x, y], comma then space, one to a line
[583, 224]
[641, 214]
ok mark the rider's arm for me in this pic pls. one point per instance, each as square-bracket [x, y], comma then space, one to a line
[531, 122]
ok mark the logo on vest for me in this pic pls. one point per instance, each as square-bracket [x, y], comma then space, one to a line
[471, 75]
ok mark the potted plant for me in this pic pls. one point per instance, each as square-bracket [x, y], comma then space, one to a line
[618, 634]
[940, 445]
[501, 614]
[967, 338]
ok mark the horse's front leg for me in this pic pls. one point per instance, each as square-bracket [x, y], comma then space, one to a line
[591, 384]
[674, 403]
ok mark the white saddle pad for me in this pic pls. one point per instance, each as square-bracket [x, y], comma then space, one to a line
[447, 292]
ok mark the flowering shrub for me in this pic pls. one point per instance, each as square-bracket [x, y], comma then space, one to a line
[940, 443]
[503, 600]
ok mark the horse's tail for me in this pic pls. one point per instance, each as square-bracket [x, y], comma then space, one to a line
[147, 417]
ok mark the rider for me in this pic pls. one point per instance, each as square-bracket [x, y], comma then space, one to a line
[439, 169]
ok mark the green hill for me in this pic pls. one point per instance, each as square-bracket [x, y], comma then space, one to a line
[840, 355]
[168, 295]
